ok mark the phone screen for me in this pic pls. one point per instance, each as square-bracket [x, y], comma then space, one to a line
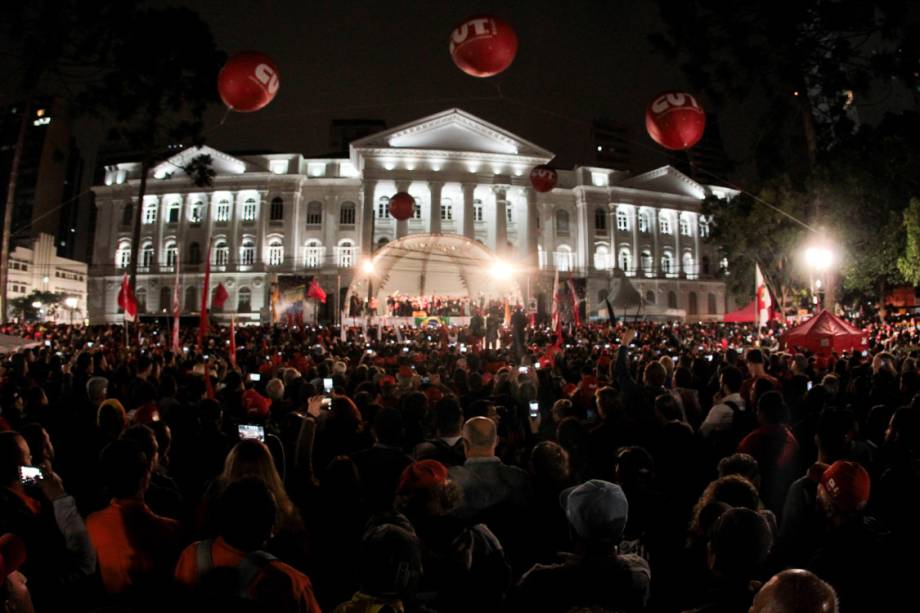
[251, 431]
[534, 409]
[810, 385]
[522, 370]
[29, 474]
[327, 385]
[254, 376]
[327, 403]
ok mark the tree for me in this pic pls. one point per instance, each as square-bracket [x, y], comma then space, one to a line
[909, 263]
[25, 309]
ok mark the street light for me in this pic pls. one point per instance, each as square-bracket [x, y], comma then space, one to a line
[501, 270]
[367, 267]
[71, 304]
[820, 259]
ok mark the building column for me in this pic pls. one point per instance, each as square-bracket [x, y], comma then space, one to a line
[528, 243]
[368, 218]
[330, 229]
[402, 225]
[501, 219]
[612, 230]
[584, 233]
[653, 228]
[469, 228]
[434, 206]
[697, 256]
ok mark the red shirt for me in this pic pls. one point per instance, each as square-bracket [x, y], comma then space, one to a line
[762, 444]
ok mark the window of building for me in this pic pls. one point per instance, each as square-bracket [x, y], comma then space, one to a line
[123, 254]
[711, 300]
[194, 254]
[562, 222]
[692, 304]
[383, 207]
[196, 212]
[165, 299]
[647, 263]
[147, 255]
[625, 261]
[191, 299]
[704, 265]
[249, 209]
[672, 300]
[650, 297]
[600, 220]
[688, 265]
[244, 300]
[248, 252]
[622, 221]
[447, 209]
[175, 207]
[313, 254]
[275, 252]
[214, 307]
[667, 264]
[417, 214]
[221, 253]
[314, 213]
[509, 218]
[277, 209]
[477, 210]
[645, 222]
[723, 266]
[347, 214]
[171, 253]
[704, 228]
[150, 212]
[127, 214]
[141, 297]
[601, 257]
[346, 255]
[562, 258]
[684, 226]
[664, 224]
[223, 210]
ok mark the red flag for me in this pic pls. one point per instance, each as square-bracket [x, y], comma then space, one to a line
[315, 291]
[203, 321]
[176, 310]
[232, 341]
[220, 296]
[126, 299]
[576, 312]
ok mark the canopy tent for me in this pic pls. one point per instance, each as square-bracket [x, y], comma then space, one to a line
[11, 344]
[445, 265]
[747, 314]
[824, 333]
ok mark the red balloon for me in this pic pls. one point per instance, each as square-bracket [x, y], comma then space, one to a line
[543, 178]
[248, 81]
[402, 206]
[483, 46]
[675, 120]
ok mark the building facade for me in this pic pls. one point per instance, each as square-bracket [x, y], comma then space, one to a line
[41, 269]
[279, 214]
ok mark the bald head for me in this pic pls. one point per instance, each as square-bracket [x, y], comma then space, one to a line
[795, 591]
[480, 437]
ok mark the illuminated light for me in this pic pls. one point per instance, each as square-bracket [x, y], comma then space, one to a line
[347, 169]
[599, 148]
[518, 171]
[41, 121]
[473, 166]
[278, 167]
[819, 258]
[501, 270]
[795, 93]
[40, 113]
[497, 169]
[367, 267]
[36, 305]
[44, 279]
[389, 164]
[316, 169]
[159, 173]
[437, 164]
[411, 163]
[71, 303]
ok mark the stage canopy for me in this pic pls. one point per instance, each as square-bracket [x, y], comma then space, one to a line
[825, 333]
[747, 314]
[446, 265]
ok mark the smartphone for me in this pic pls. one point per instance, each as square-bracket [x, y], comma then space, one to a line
[185, 349]
[522, 370]
[327, 403]
[865, 353]
[810, 385]
[426, 380]
[251, 431]
[536, 365]
[254, 376]
[89, 344]
[327, 385]
[462, 348]
[709, 357]
[29, 475]
[369, 352]
[206, 356]
[47, 343]
[534, 409]
[405, 350]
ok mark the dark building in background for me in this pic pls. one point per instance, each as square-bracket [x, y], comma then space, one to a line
[343, 131]
[611, 146]
[49, 198]
[707, 161]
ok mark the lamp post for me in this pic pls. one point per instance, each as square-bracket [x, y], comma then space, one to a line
[820, 258]
[71, 304]
[367, 267]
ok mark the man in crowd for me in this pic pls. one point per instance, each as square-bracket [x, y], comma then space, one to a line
[447, 447]
[795, 591]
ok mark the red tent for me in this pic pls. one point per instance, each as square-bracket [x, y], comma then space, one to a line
[747, 314]
[825, 333]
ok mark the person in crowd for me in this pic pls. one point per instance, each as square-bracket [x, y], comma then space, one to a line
[774, 447]
[14, 591]
[162, 496]
[756, 369]
[447, 445]
[381, 466]
[235, 567]
[795, 591]
[728, 416]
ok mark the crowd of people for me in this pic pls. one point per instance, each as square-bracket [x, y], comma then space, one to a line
[641, 467]
[407, 306]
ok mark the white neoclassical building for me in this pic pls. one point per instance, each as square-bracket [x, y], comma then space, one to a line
[266, 216]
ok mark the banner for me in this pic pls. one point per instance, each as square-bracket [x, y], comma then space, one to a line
[290, 298]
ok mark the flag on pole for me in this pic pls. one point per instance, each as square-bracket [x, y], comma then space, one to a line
[576, 311]
[611, 316]
[220, 296]
[176, 309]
[764, 300]
[232, 341]
[555, 311]
[315, 291]
[205, 294]
[507, 318]
[126, 300]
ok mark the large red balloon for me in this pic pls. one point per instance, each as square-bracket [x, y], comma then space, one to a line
[248, 81]
[543, 178]
[402, 206]
[483, 46]
[675, 120]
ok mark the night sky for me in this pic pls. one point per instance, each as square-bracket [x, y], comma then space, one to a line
[390, 60]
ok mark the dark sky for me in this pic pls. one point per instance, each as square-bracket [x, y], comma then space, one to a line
[390, 60]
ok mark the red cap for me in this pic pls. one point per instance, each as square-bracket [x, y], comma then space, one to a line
[847, 483]
[421, 475]
[12, 554]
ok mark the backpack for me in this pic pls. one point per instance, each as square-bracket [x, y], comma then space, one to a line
[234, 582]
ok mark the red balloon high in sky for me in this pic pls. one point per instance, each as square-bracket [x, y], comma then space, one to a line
[402, 206]
[543, 178]
[248, 81]
[675, 120]
[483, 46]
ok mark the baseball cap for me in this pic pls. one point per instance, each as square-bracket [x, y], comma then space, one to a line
[597, 510]
[421, 475]
[12, 554]
[847, 484]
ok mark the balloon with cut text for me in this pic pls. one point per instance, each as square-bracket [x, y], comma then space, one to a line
[675, 120]
[248, 81]
[483, 46]
[543, 178]
[402, 206]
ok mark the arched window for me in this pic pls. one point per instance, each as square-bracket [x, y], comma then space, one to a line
[171, 253]
[194, 253]
[562, 222]
[417, 211]
[313, 254]
[622, 221]
[314, 213]
[347, 214]
[127, 214]
[672, 300]
[667, 264]
[711, 299]
[150, 212]
[222, 212]
[196, 212]
[647, 263]
[645, 222]
[689, 266]
[650, 297]
[693, 307]
[244, 300]
[221, 253]
[562, 259]
[684, 226]
[705, 265]
[275, 251]
[664, 224]
[191, 299]
[141, 296]
[600, 220]
[248, 252]
[277, 210]
[249, 209]
[147, 255]
[345, 258]
[625, 261]
[383, 207]
[172, 214]
[477, 210]
[601, 257]
[447, 209]
[704, 228]
[123, 254]
[166, 299]
[723, 267]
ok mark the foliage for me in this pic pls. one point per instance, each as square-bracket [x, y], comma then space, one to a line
[200, 171]
[23, 308]
[909, 263]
